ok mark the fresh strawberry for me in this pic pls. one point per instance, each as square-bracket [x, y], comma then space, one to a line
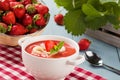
[4, 5]
[11, 0]
[41, 9]
[27, 20]
[84, 44]
[25, 2]
[30, 8]
[3, 27]
[33, 30]
[9, 18]
[17, 29]
[59, 19]
[49, 44]
[39, 20]
[19, 10]
[12, 4]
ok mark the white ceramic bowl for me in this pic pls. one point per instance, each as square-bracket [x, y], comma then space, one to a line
[50, 68]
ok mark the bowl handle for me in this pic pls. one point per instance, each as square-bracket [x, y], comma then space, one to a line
[21, 40]
[78, 60]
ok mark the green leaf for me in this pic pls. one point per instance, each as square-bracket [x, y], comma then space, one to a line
[96, 22]
[56, 48]
[89, 10]
[74, 22]
[93, 14]
[68, 4]
[107, 1]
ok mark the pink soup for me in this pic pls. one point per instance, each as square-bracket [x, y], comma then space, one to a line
[41, 50]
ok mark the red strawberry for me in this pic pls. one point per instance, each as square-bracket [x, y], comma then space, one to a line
[30, 8]
[12, 4]
[39, 20]
[25, 2]
[17, 29]
[11, 0]
[33, 30]
[41, 9]
[19, 10]
[59, 19]
[27, 20]
[3, 27]
[84, 44]
[9, 18]
[49, 45]
[4, 5]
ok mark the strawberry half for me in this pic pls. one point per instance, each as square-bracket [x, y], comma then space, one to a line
[49, 44]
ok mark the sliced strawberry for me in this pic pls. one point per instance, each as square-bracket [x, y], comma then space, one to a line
[3, 27]
[4, 5]
[9, 18]
[49, 44]
[27, 20]
[41, 9]
[39, 20]
[18, 29]
[19, 10]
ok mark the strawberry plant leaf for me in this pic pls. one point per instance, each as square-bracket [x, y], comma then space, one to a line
[107, 1]
[93, 14]
[89, 10]
[74, 22]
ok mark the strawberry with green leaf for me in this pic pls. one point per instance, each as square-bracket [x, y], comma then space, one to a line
[30, 8]
[3, 27]
[19, 10]
[17, 29]
[41, 9]
[25, 2]
[27, 20]
[58, 18]
[12, 4]
[39, 20]
[9, 17]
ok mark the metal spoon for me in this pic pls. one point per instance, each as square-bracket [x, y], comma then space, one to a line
[92, 58]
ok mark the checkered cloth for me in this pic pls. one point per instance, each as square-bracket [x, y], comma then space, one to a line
[11, 67]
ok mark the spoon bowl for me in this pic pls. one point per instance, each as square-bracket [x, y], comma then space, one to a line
[93, 59]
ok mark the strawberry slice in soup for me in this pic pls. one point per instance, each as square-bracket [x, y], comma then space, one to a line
[49, 44]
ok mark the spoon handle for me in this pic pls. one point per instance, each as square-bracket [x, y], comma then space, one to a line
[112, 69]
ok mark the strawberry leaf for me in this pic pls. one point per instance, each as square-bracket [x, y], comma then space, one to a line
[56, 48]
[89, 14]
[74, 22]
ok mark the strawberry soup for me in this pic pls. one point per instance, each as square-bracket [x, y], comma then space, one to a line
[50, 49]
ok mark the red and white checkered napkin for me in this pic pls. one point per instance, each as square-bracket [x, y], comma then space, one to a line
[11, 67]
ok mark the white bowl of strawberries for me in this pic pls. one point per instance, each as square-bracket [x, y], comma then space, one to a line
[21, 18]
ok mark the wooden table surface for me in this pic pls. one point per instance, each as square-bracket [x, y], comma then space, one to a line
[109, 54]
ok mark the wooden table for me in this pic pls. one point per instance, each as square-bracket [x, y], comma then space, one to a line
[109, 54]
